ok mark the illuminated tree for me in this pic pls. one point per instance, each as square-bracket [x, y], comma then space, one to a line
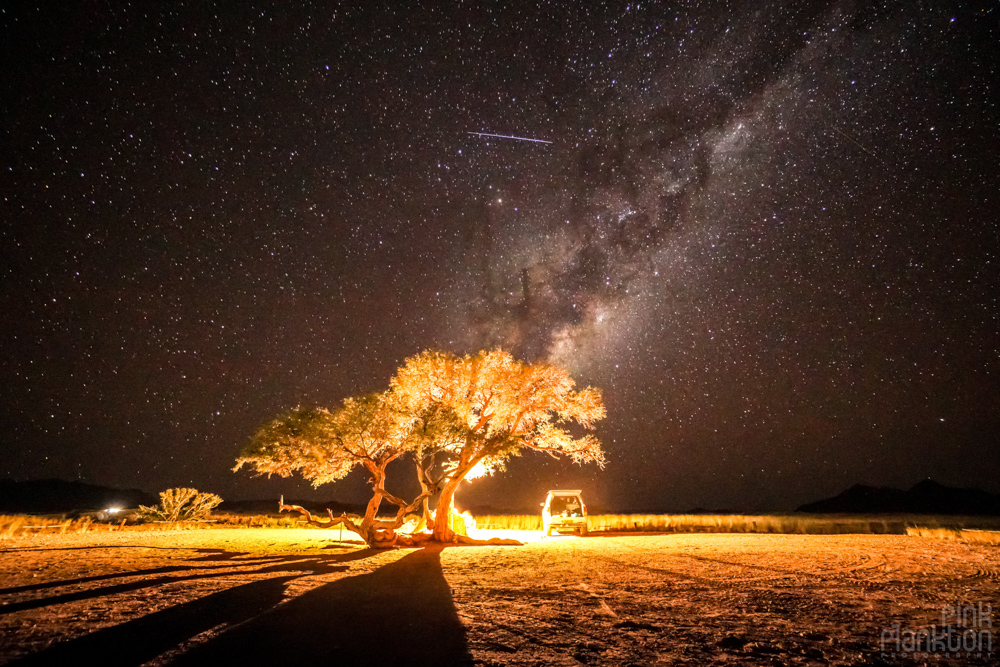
[325, 446]
[459, 417]
[485, 408]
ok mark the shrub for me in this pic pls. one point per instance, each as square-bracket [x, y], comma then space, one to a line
[180, 505]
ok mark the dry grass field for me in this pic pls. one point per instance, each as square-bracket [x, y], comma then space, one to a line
[281, 596]
[799, 524]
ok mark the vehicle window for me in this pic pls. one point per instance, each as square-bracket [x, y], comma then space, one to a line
[568, 504]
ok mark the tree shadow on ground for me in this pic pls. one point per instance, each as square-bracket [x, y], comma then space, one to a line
[401, 614]
[166, 569]
[308, 564]
[221, 555]
[141, 640]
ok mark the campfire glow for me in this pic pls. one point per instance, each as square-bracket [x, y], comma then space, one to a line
[478, 470]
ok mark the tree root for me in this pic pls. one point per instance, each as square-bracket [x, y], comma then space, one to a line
[493, 541]
[425, 539]
[384, 536]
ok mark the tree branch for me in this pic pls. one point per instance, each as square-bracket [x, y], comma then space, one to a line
[334, 520]
[399, 502]
[542, 448]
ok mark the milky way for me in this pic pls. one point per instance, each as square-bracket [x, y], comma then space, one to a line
[767, 234]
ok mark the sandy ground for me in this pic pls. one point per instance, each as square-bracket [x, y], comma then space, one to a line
[287, 597]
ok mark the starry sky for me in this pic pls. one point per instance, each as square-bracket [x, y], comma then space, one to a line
[767, 231]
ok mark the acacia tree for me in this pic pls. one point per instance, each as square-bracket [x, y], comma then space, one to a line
[488, 407]
[325, 446]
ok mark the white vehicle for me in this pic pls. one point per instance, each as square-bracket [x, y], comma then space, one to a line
[564, 510]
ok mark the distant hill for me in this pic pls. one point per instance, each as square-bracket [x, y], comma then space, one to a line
[926, 497]
[50, 496]
[55, 496]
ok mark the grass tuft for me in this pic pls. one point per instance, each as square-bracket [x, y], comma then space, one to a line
[967, 535]
[21, 524]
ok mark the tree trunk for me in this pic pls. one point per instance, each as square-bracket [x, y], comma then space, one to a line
[426, 521]
[372, 510]
[427, 488]
[442, 513]
[428, 517]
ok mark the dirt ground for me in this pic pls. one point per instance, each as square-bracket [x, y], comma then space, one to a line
[288, 597]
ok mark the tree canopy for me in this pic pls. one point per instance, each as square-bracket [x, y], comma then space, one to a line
[324, 446]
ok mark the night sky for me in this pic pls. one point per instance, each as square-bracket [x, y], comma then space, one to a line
[768, 232]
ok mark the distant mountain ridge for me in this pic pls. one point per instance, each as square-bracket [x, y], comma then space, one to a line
[56, 496]
[51, 496]
[926, 497]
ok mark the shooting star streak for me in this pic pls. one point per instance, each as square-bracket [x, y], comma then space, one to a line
[507, 136]
[853, 140]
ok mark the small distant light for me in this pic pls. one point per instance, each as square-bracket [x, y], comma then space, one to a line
[113, 510]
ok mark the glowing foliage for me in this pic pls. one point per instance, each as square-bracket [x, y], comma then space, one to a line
[500, 405]
[324, 446]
